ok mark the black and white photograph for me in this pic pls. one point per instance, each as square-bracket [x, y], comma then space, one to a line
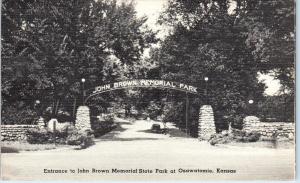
[148, 90]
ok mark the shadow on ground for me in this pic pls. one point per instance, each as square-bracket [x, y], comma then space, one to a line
[146, 131]
[175, 132]
[128, 139]
[5, 149]
[112, 135]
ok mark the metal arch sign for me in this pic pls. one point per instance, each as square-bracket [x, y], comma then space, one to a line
[142, 83]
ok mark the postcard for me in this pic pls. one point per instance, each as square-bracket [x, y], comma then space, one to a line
[148, 90]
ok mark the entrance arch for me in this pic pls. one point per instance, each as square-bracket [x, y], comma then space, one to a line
[141, 83]
[206, 125]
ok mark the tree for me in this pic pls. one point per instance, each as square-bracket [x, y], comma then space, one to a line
[271, 35]
[56, 43]
[207, 41]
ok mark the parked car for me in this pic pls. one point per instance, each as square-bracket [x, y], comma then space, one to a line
[157, 129]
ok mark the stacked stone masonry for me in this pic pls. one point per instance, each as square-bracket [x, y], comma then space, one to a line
[206, 123]
[83, 119]
[269, 129]
[15, 132]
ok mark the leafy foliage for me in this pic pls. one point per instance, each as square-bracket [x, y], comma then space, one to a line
[276, 109]
[229, 42]
[70, 136]
[48, 46]
[102, 127]
[271, 34]
[236, 136]
[82, 138]
[207, 41]
[18, 114]
[40, 136]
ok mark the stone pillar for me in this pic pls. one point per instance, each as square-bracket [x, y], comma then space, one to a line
[83, 119]
[249, 123]
[207, 125]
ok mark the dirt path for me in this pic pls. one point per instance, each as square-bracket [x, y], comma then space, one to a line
[131, 147]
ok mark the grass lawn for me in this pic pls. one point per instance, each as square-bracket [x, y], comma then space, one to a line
[15, 147]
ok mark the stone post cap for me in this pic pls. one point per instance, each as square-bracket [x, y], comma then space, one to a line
[83, 107]
[206, 107]
[251, 118]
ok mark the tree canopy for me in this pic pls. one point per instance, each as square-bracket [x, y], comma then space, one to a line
[48, 46]
[229, 42]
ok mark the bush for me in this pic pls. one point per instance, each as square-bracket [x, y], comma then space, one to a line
[82, 138]
[68, 135]
[153, 109]
[142, 114]
[61, 115]
[64, 116]
[243, 136]
[109, 118]
[102, 127]
[235, 136]
[13, 115]
[45, 136]
[252, 137]
[220, 139]
[39, 136]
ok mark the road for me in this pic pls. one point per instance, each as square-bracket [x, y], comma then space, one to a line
[131, 152]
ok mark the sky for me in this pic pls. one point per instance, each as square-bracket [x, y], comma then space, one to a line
[152, 9]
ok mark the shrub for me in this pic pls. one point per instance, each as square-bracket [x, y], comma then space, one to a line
[82, 138]
[252, 137]
[64, 116]
[220, 139]
[242, 136]
[142, 114]
[109, 118]
[61, 115]
[153, 109]
[68, 135]
[13, 115]
[102, 127]
[39, 136]
[235, 136]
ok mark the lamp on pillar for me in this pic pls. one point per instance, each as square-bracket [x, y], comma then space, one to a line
[251, 106]
[36, 106]
[206, 80]
[83, 92]
[37, 102]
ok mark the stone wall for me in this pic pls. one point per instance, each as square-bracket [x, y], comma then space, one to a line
[206, 123]
[269, 129]
[15, 132]
[83, 119]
